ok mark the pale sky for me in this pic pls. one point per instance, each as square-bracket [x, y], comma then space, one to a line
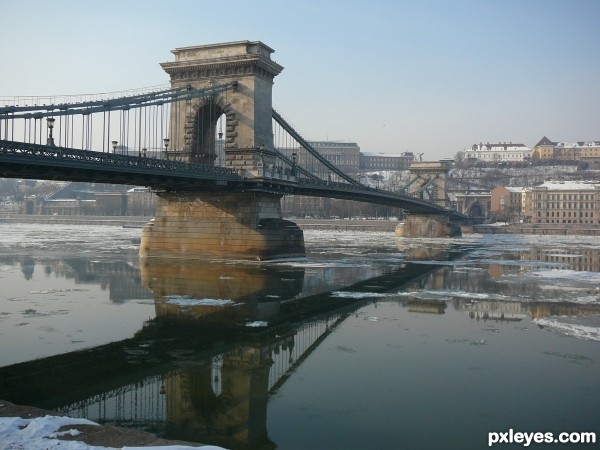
[428, 76]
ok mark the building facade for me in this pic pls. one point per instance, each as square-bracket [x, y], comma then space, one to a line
[508, 203]
[371, 161]
[500, 152]
[344, 155]
[580, 151]
[569, 202]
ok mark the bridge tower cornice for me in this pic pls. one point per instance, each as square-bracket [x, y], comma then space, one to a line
[227, 60]
[248, 109]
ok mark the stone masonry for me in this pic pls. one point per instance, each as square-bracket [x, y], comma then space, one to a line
[217, 225]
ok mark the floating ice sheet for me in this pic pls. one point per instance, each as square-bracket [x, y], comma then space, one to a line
[564, 326]
[190, 301]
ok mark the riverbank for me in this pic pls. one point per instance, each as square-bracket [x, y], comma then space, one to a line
[539, 229]
[316, 224]
[138, 222]
[118, 221]
[86, 432]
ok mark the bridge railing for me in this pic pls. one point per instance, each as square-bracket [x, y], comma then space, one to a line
[52, 153]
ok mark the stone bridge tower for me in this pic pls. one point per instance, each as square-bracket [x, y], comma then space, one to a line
[247, 109]
[428, 180]
[223, 224]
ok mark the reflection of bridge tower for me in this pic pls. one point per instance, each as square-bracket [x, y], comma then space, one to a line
[247, 109]
[226, 400]
[428, 180]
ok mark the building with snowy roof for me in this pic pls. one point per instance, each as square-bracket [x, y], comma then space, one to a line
[582, 151]
[563, 202]
[499, 152]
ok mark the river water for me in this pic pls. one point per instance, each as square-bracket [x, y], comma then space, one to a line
[370, 342]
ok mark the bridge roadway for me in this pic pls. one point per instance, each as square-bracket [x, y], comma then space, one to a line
[35, 161]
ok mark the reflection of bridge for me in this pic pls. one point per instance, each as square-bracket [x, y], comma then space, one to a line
[195, 379]
[211, 144]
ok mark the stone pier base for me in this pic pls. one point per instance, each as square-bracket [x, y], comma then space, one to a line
[222, 226]
[428, 226]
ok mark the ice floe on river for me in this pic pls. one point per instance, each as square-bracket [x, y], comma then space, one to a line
[571, 326]
[189, 301]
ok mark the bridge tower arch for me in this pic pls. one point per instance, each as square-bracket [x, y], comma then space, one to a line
[248, 108]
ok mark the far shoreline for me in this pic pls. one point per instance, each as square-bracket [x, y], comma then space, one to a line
[379, 224]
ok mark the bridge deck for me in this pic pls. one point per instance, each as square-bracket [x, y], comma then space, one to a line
[35, 161]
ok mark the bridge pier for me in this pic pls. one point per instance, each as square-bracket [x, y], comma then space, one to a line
[237, 225]
[429, 226]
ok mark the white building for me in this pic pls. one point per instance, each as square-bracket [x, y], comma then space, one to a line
[500, 152]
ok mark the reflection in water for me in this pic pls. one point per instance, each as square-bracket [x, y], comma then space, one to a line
[219, 395]
[192, 373]
[195, 289]
[239, 293]
[120, 278]
[485, 294]
[196, 372]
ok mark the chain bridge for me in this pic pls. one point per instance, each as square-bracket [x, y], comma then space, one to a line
[210, 144]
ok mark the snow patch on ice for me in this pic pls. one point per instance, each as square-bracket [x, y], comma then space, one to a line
[257, 324]
[357, 295]
[576, 330]
[565, 274]
[455, 294]
[189, 301]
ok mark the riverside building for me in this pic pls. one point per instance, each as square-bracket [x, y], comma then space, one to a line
[568, 202]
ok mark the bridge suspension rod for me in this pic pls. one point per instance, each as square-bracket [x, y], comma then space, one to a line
[287, 127]
[122, 103]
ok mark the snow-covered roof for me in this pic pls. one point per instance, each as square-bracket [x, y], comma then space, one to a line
[387, 155]
[570, 185]
[503, 147]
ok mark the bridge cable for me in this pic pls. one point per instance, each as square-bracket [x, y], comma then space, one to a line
[278, 118]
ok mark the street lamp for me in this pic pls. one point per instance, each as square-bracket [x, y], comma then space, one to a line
[50, 121]
[114, 146]
[293, 172]
[166, 141]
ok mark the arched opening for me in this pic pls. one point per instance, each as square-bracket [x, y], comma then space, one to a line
[205, 134]
[476, 213]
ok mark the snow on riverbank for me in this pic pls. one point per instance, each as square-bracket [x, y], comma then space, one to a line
[42, 433]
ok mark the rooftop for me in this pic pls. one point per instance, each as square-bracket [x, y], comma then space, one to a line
[569, 185]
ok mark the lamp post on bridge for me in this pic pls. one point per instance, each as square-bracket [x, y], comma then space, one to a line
[166, 141]
[114, 146]
[50, 122]
[293, 171]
